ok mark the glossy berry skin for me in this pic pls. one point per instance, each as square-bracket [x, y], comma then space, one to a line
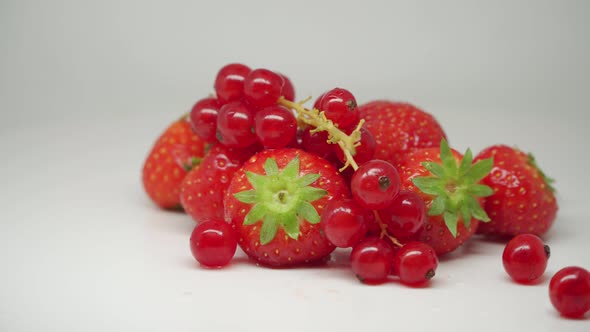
[203, 188]
[399, 128]
[523, 201]
[371, 260]
[340, 106]
[569, 291]
[405, 217]
[525, 258]
[318, 102]
[235, 125]
[229, 83]
[263, 88]
[287, 91]
[375, 184]
[364, 152]
[344, 222]
[317, 143]
[276, 126]
[203, 118]
[173, 155]
[213, 243]
[415, 263]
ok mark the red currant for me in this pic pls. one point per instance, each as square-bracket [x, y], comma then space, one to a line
[525, 258]
[235, 125]
[287, 91]
[229, 83]
[262, 87]
[213, 243]
[203, 118]
[276, 126]
[415, 263]
[317, 143]
[344, 222]
[375, 184]
[340, 106]
[364, 152]
[569, 291]
[371, 260]
[318, 102]
[406, 216]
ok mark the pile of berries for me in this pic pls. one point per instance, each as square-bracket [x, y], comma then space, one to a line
[290, 184]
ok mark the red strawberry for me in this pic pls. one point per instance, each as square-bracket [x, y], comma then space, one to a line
[399, 128]
[449, 185]
[523, 199]
[175, 153]
[203, 189]
[275, 201]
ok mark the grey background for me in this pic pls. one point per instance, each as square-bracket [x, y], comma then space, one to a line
[86, 87]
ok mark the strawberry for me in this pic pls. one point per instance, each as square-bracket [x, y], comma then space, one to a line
[448, 183]
[399, 128]
[203, 189]
[175, 153]
[523, 199]
[275, 201]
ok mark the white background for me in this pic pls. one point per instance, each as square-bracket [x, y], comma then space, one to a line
[86, 87]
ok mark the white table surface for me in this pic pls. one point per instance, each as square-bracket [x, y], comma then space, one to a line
[86, 88]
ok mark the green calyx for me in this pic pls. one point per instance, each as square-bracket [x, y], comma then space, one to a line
[280, 198]
[456, 187]
[548, 181]
[192, 163]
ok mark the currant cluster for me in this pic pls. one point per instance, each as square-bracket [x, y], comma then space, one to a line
[375, 223]
[244, 111]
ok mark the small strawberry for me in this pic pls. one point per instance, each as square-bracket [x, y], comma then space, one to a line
[399, 128]
[523, 199]
[175, 153]
[275, 201]
[203, 189]
[448, 183]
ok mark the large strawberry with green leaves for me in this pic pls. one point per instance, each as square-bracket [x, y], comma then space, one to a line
[203, 189]
[173, 155]
[523, 199]
[274, 202]
[399, 128]
[449, 184]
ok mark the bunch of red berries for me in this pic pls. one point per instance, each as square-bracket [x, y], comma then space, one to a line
[290, 184]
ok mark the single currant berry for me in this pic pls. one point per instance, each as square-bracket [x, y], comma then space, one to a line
[235, 125]
[405, 217]
[371, 260]
[364, 152]
[525, 258]
[213, 243]
[415, 263]
[375, 184]
[569, 291]
[276, 126]
[344, 222]
[203, 118]
[229, 83]
[318, 102]
[340, 106]
[287, 91]
[262, 87]
[317, 143]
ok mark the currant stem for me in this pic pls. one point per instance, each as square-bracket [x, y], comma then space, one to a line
[318, 120]
[384, 232]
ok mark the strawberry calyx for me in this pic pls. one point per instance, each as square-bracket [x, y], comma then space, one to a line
[456, 187]
[281, 198]
[548, 181]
